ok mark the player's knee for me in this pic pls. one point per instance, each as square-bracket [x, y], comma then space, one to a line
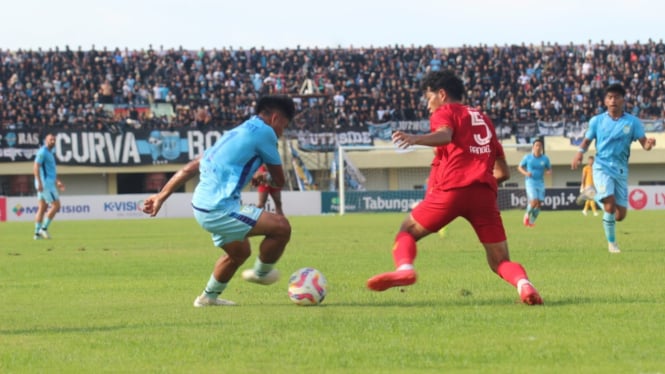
[238, 252]
[281, 228]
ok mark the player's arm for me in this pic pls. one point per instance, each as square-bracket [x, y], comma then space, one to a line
[152, 204]
[577, 159]
[441, 136]
[276, 175]
[521, 168]
[647, 143]
[38, 178]
[501, 170]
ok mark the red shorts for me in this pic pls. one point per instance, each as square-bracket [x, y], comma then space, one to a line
[477, 203]
[267, 189]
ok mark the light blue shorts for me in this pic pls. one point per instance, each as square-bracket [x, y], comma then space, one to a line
[608, 185]
[228, 225]
[535, 192]
[49, 194]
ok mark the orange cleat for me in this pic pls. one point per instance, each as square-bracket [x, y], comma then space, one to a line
[391, 279]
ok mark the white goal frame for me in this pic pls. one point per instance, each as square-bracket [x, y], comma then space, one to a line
[341, 180]
[341, 149]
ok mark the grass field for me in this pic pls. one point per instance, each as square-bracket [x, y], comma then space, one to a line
[116, 296]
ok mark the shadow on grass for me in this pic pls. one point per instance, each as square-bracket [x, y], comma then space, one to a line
[91, 329]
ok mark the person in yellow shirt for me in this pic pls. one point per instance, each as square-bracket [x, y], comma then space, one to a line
[587, 182]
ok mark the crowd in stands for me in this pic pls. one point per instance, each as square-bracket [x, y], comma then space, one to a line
[334, 88]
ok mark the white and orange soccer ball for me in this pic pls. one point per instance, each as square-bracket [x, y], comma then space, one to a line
[307, 286]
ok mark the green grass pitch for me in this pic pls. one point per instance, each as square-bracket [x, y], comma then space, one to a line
[116, 296]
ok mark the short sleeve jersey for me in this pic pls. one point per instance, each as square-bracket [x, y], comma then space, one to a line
[469, 157]
[536, 166]
[613, 138]
[230, 163]
[46, 161]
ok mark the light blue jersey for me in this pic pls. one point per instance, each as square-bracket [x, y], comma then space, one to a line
[537, 166]
[613, 138]
[230, 163]
[47, 170]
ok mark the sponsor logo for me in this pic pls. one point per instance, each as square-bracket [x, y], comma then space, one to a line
[637, 199]
[20, 210]
[123, 206]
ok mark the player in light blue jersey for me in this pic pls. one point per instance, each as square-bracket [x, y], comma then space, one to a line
[224, 170]
[47, 185]
[613, 132]
[534, 166]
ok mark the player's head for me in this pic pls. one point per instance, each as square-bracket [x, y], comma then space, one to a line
[49, 140]
[590, 159]
[277, 111]
[537, 147]
[616, 88]
[442, 87]
[614, 98]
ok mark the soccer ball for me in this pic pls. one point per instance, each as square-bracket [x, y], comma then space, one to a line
[307, 286]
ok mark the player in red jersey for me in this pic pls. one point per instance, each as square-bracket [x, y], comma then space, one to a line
[261, 181]
[468, 163]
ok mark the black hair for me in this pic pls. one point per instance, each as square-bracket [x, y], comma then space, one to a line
[616, 88]
[283, 104]
[446, 80]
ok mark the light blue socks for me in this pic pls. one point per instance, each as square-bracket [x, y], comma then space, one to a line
[609, 223]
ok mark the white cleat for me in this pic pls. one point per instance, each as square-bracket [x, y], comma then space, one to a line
[203, 301]
[44, 234]
[613, 248]
[250, 276]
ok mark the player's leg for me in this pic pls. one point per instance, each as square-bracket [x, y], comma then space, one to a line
[226, 266]
[263, 198]
[594, 208]
[276, 195]
[539, 192]
[531, 197]
[276, 230]
[429, 216]
[52, 198]
[485, 218]
[50, 215]
[605, 185]
[42, 206]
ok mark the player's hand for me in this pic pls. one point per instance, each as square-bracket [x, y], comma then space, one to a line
[402, 140]
[577, 160]
[40, 188]
[152, 205]
[650, 143]
[60, 185]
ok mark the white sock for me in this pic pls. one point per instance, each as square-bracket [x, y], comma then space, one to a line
[405, 267]
[521, 283]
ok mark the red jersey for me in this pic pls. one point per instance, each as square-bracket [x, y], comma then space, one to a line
[469, 157]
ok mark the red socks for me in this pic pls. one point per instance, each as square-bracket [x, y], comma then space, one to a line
[404, 249]
[512, 272]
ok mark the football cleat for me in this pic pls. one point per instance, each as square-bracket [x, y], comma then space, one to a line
[250, 276]
[203, 301]
[613, 248]
[391, 279]
[44, 234]
[529, 295]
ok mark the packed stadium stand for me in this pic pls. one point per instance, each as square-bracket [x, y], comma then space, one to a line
[105, 89]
